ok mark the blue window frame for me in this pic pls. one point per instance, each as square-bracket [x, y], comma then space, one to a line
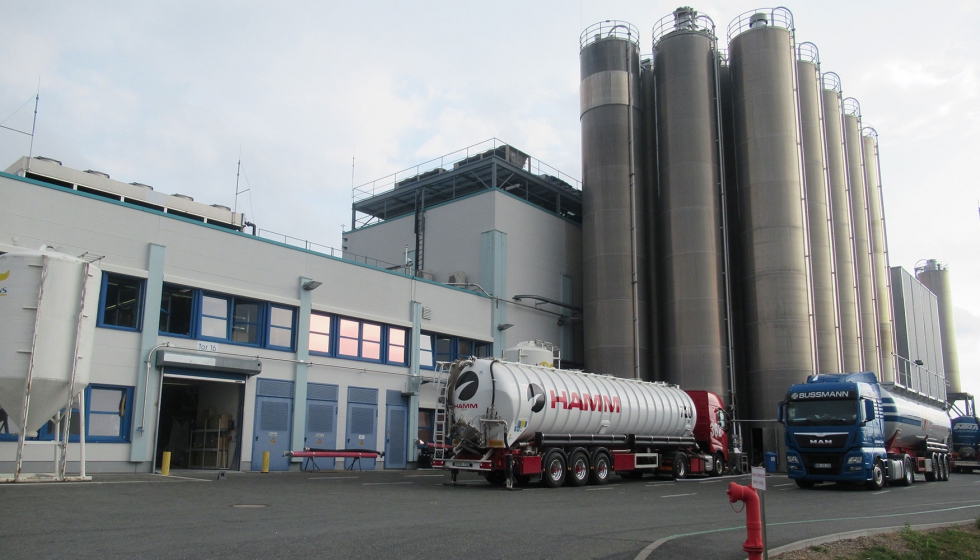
[108, 417]
[232, 319]
[177, 310]
[320, 324]
[426, 354]
[121, 302]
[397, 354]
[359, 340]
[282, 324]
[445, 348]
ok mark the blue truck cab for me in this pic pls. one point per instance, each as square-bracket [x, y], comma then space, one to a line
[835, 430]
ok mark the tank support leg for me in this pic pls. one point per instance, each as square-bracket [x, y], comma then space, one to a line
[453, 473]
[510, 472]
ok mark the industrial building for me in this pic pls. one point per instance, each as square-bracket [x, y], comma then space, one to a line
[728, 234]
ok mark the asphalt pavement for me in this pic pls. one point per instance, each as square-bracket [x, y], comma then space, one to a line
[417, 514]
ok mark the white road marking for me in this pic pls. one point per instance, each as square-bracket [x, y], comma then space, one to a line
[423, 475]
[330, 477]
[384, 483]
[679, 495]
[880, 492]
[606, 488]
[778, 485]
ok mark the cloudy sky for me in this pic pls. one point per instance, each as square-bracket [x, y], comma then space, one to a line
[170, 93]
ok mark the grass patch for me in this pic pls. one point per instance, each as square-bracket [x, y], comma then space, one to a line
[934, 545]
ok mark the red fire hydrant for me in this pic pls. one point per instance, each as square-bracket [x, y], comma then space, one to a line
[753, 522]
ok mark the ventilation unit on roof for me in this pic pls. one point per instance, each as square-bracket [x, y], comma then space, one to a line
[99, 173]
[190, 198]
[50, 160]
[458, 277]
[141, 185]
[220, 207]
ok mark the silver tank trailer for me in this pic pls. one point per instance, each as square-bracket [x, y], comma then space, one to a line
[840, 209]
[879, 249]
[826, 318]
[934, 275]
[610, 69]
[499, 404]
[690, 256]
[908, 423]
[860, 224]
[778, 331]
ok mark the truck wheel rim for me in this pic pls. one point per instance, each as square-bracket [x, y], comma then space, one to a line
[581, 470]
[602, 469]
[555, 470]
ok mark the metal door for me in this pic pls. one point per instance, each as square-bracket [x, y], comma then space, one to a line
[396, 437]
[362, 431]
[321, 429]
[272, 423]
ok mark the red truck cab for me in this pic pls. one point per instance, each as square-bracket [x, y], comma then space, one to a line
[711, 428]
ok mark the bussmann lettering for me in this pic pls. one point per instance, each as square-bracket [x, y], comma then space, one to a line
[821, 395]
[586, 402]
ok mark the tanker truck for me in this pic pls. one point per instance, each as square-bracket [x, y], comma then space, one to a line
[849, 428]
[966, 434]
[517, 422]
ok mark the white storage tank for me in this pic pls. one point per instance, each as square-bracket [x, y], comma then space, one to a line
[533, 352]
[49, 305]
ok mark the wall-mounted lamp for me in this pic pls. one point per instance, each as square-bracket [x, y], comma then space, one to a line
[919, 363]
[311, 285]
[504, 326]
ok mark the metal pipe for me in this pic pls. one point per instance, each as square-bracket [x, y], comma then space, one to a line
[30, 370]
[634, 281]
[547, 300]
[81, 433]
[146, 384]
[74, 372]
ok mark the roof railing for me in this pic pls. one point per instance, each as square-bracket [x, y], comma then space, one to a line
[609, 29]
[761, 17]
[683, 20]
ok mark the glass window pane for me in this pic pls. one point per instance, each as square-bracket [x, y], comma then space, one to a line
[319, 343]
[282, 317]
[215, 307]
[246, 312]
[320, 323]
[280, 337]
[106, 400]
[396, 354]
[176, 305]
[348, 347]
[245, 332]
[371, 350]
[425, 358]
[396, 336]
[464, 348]
[425, 342]
[214, 328]
[104, 424]
[371, 332]
[122, 301]
[349, 328]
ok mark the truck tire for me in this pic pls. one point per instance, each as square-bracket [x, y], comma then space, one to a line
[578, 468]
[877, 481]
[944, 467]
[553, 471]
[718, 466]
[601, 468]
[497, 478]
[804, 483]
[909, 476]
[932, 473]
[680, 466]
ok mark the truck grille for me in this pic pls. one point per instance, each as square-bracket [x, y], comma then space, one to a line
[829, 463]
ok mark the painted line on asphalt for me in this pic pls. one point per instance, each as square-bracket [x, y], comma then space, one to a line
[599, 488]
[880, 492]
[331, 477]
[424, 475]
[778, 485]
[384, 483]
[679, 495]
[180, 477]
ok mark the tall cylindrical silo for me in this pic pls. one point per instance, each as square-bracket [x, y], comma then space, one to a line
[826, 318]
[840, 211]
[777, 310]
[648, 209]
[860, 225]
[879, 250]
[934, 275]
[690, 255]
[615, 341]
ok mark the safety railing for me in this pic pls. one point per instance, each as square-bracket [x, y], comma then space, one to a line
[448, 162]
[808, 52]
[851, 107]
[683, 19]
[831, 81]
[762, 17]
[609, 29]
[328, 250]
[919, 379]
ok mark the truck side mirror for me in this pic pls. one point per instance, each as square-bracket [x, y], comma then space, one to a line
[779, 412]
[869, 410]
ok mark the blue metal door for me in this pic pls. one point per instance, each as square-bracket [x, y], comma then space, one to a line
[321, 420]
[396, 437]
[272, 422]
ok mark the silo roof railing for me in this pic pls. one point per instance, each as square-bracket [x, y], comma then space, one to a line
[761, 17]
[609, 29]
[831, 81]
[870, 132]
[808, 52]
[852, 107]
[683, 22]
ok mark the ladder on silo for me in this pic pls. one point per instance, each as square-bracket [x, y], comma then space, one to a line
[439, 422]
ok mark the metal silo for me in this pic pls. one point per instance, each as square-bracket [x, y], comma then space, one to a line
[840, 211]
[860, 225]
[690, 257]
[615, 339]
[934, 275]
[826, 318]
[879, 250]
[648, 209]
[777, 312]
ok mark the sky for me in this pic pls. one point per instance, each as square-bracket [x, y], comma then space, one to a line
[173, 94]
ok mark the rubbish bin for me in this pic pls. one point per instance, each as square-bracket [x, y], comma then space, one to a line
[772, 462]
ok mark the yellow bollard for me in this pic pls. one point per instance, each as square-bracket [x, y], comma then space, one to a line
[165, 465]
[265, 461]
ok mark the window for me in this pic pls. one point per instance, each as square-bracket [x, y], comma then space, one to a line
[245, 322]
[397, 341]
[122, 298]
[214, 317]
[320, 333]
[176, 310]
[484, 349]
[359, 340]
[444, 349]
[232, 318]
[109, 415]
[464, 348]
[426, 360]
[281, 327]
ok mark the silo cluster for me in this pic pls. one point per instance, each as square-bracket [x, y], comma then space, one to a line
[750, 194]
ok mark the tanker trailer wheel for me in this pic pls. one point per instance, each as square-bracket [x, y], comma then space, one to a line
[600, 468]
[909, 477]
[497, 478]
[718, 465]
[578, 465]
[877, 481]
[553, 474]
[932, 474]
[944, 467]
[680, 466]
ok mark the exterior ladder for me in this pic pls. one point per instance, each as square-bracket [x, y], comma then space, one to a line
[439, 427]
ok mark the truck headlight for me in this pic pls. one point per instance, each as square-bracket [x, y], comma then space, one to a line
[856, 460]
[792, 459]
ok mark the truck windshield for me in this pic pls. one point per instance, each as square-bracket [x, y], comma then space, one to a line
[822, 413]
